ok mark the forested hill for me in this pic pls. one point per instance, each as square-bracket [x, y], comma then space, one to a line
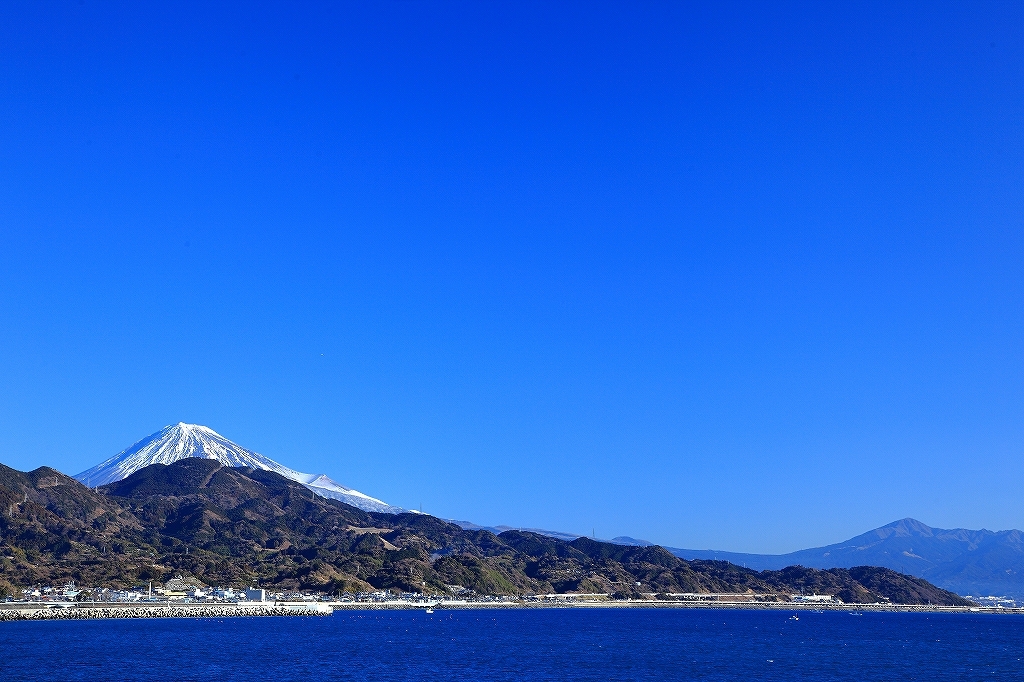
[232, 526]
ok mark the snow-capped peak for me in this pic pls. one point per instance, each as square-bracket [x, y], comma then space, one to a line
[181, 440]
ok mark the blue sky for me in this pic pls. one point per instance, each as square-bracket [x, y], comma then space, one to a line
[737, 276]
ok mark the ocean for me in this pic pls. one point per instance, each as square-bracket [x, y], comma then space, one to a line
[524, 644]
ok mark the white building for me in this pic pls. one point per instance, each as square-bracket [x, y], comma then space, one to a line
[254, 594]
[816, 598]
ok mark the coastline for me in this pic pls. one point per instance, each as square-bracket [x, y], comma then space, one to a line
[37, 611]
[16, 612]
[654, 604]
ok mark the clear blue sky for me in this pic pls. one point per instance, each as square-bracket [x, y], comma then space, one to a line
[736, 276]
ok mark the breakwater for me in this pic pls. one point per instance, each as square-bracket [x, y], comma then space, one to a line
[34, 612]
[657, 604]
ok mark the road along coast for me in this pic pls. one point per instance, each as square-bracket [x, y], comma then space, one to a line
[15, 611]
[658, 604]
[11, 612]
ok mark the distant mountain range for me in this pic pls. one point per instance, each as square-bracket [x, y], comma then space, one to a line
[498, 530]
[180, 441]
[233, 526]
[970, 562]
[976, 562]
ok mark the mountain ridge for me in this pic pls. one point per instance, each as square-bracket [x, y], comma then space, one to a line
[966, 561]
[978, 562]
[179, 441]
[236, 525]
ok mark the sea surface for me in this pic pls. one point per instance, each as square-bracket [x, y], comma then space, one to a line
[523, 644]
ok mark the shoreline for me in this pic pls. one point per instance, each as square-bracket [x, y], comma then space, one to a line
[19, 612]
[35, 611]
[645, 604]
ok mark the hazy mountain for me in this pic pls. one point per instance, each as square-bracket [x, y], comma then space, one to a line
[498, 530]
[626, 540]
[979, 562]
[179, 441]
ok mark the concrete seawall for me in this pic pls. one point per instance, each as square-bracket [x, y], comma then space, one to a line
[649, 604]
[33, 612]
[13, 612]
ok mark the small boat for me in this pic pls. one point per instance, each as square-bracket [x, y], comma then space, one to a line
[429, 610]
[794, 617]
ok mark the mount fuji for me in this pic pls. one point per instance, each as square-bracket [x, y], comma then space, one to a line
[181, 440]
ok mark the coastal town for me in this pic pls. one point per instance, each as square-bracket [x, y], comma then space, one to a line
[186, 590]
[188, 594]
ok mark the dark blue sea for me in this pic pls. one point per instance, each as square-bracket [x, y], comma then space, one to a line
[523, 644]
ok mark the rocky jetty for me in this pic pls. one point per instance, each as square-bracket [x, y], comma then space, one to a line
[201, 611]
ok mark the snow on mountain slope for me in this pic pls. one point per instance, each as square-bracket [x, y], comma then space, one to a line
[179, 441]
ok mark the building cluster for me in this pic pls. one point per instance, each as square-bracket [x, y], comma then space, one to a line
[188, 590]
[382, 596]
[816, 599]
[998, 602]
[177, 589]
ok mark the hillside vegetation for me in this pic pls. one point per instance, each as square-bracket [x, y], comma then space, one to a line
[235, 526]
